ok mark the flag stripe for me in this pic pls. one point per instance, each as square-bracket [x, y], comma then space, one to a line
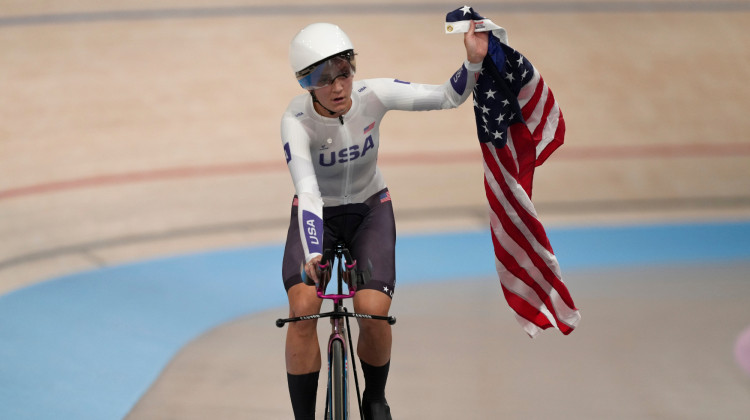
[543, 119]
[506, 157]
[515, 253]
[521, 205]
[540, 114]
[528, 92]
[526, 311]
[522, 286]
[532, 108]
[525, 230]
[545, 149]
[524, 301]
[513, 275]
[525, 155]
[522, 242]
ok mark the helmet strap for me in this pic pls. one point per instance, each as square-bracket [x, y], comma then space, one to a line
[315, 100]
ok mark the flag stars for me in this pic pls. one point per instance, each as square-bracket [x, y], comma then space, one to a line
[505, 102]
[498, 135]
[520, 60]
[500, 118]
[525, 72]
[509, 76]
[485, 110]
[466, 10]
[490, 94]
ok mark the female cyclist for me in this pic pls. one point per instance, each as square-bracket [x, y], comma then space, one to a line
[330, 137]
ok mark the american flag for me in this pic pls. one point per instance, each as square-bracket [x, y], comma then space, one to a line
[519, 124]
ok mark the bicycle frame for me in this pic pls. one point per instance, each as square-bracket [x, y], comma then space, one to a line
[337, 399]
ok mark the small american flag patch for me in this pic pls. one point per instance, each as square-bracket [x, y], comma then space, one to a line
[369, 127]
[386, 196]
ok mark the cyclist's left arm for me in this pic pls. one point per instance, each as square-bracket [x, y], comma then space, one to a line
[406, 96]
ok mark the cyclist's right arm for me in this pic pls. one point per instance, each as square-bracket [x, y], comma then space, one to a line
[296, 144]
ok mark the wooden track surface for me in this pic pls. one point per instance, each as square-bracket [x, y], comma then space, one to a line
[127, 135]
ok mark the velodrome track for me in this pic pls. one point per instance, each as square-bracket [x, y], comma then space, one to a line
[143, 200]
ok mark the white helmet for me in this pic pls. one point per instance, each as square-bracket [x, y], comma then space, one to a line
[315, 43]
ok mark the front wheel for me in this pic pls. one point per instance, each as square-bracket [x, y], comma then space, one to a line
[338, 395]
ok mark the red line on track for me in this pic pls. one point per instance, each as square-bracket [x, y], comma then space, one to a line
[145, 176]
[429, 158]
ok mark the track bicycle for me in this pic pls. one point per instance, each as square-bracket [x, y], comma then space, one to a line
[347, 274]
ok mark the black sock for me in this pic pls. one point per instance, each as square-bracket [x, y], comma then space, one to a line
[303, 391]
[375, 379]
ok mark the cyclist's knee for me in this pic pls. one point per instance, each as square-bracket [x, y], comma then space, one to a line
[372, 302]
[303, 301]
